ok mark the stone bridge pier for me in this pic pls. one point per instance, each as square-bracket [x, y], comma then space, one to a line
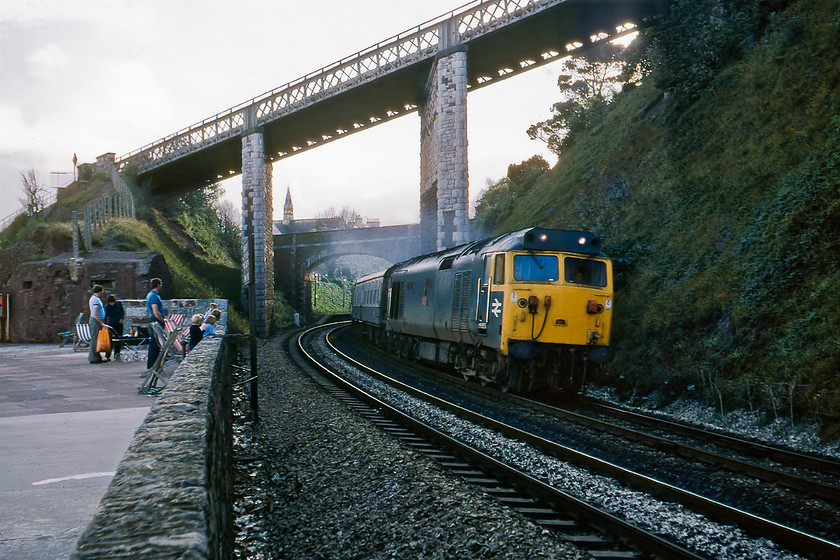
[444, 176]
[257, 222]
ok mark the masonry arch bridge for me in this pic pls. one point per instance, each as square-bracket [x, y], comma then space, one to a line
[297, 254]
[428, 69]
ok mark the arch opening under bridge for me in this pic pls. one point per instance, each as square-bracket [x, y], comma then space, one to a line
[296, 255]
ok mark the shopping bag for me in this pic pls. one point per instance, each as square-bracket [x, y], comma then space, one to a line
[103, 341]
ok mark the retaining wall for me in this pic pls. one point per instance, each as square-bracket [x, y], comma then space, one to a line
[171, 494]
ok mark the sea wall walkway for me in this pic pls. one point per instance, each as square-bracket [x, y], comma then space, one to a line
[171, 494]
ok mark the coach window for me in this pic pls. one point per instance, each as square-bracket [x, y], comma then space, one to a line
[499, 270]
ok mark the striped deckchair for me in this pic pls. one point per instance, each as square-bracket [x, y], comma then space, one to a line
[82, 339]
[67, 336]
[173, 324]
[158, 374]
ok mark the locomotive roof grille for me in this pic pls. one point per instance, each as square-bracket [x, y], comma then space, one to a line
[530, 239]
[549, 239]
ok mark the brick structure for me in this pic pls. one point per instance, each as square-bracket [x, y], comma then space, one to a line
[444, 176]
[257, 220]
[47, 296]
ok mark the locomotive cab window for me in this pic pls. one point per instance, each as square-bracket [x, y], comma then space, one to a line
[499, 270]
[585, 272]
[536, 268]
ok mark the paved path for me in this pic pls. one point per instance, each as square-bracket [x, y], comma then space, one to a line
[64, 426]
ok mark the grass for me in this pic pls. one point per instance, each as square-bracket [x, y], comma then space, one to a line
[720, 213]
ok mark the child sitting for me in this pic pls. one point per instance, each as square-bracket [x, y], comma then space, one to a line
[207, 327]
[196, 334]
[213, 307]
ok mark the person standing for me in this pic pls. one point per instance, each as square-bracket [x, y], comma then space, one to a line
[97, 322]
[154, 305]
[114, 316]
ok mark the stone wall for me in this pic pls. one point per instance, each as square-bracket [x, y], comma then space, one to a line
[171, 495]
[46, 297]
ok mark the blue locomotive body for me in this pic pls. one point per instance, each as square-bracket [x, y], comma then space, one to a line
[525, 309]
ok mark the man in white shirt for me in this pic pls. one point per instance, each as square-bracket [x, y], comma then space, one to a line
[97, 321]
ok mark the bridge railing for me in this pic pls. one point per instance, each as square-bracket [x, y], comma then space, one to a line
[458, 26]
[46, 201]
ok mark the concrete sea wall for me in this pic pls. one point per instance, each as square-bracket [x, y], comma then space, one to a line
[171, 495]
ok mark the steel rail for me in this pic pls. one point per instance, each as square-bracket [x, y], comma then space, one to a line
[800, 542]
[764, 450]
[814, 488]
[650, 542]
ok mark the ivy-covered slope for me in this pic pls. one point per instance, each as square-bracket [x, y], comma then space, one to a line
[719, 201]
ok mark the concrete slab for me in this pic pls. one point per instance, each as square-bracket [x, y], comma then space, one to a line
[64, 426]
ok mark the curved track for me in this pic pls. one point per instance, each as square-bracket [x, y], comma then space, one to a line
[595, 529]
[799, 541]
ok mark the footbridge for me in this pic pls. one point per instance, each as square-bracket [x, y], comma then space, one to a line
[297, 254]
[428, 69]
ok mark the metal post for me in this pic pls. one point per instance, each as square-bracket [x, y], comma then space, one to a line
[75, 228]
[252, 316]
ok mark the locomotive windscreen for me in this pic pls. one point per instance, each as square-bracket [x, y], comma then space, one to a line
[536, 268]
[585, 272]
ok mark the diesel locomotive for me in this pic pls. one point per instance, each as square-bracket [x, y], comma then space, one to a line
[529, 309]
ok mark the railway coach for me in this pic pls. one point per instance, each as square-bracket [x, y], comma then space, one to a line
[528, 309]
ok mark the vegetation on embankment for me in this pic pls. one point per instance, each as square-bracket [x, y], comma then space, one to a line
[198, 240]
[715, 184]
[332, 284]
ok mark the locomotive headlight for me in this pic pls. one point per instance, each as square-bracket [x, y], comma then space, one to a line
[593, 307]
[582, 241]
[544, 237]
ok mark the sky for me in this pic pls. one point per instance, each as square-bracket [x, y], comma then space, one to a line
[94, 76]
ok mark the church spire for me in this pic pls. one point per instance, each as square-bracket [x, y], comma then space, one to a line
[288, 208]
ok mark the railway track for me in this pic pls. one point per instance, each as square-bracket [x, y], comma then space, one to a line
[601, 533]
[814, 465]
[810, 476]
[799, 541]
[802, 542]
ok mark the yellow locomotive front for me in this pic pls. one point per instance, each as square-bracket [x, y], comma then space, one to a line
[558, 298]
[548, 311]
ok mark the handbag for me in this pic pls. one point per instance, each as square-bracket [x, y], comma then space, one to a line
[103, 341]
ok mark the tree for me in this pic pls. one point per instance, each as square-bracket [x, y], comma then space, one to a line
[496, 202]
[34, 193]
[346, 214]
[230, 228]
[228, 213]
[588, 83]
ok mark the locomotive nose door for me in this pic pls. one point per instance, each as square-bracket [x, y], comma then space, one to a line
[491, 297]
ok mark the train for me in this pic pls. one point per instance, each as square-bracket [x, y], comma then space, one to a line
[528, 310]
